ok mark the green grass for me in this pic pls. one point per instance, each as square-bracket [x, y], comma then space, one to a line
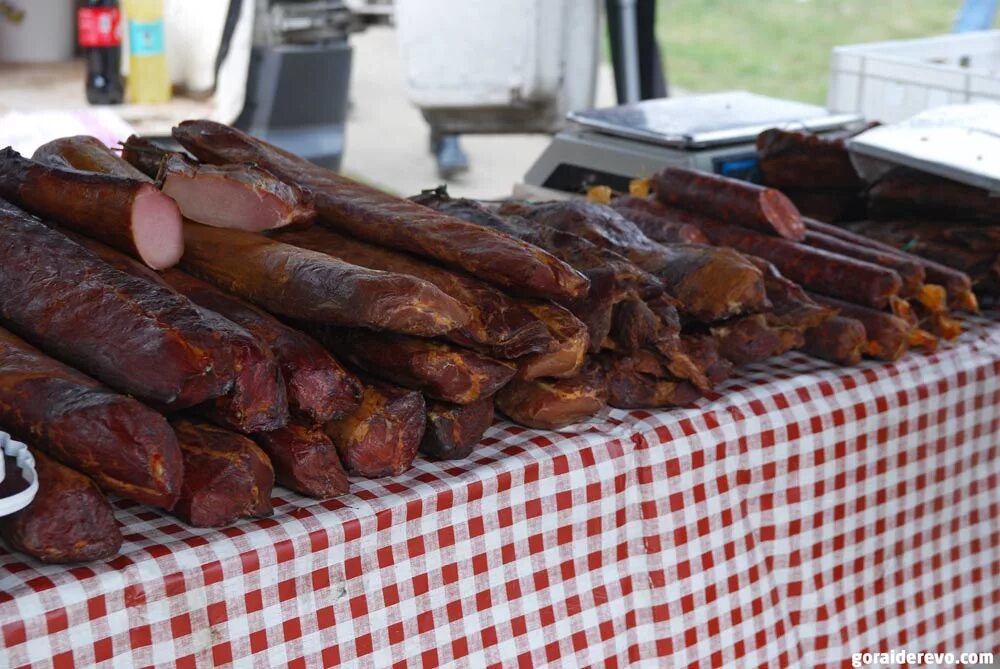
[781, 47]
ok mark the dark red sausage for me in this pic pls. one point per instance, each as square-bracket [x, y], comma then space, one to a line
[257, 399]
[909, 193]
[68, 521]
[763, 209]
[381, 437]
[839, 340]
[305, 460]
[136, 337]
[227, 477]
[911, 272]
[128, 214]
[125, 446]
[454, 430]
[380, 218]
[955, 282]
[822, 271]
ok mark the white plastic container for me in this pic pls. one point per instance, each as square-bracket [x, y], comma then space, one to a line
[499, 65]
[45, 33]
[891, 81]
[26, 463]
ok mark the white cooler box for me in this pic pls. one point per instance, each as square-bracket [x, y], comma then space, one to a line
[891, 81]
[497, 66]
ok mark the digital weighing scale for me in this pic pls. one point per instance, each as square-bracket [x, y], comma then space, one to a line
[713, 133]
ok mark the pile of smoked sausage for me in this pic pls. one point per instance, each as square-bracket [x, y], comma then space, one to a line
[186, 330]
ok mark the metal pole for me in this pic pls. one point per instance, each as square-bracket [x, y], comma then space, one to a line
[630, 50]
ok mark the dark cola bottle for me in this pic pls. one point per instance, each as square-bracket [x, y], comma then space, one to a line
[99, 35]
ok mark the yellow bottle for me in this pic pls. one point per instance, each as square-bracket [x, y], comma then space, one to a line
[148, 75]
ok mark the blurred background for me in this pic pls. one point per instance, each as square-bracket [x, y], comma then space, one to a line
[776, 47]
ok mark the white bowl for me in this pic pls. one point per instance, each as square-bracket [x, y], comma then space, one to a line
[26, 463]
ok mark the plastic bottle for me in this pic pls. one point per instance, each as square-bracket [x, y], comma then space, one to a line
[148, 77]
[98, 25]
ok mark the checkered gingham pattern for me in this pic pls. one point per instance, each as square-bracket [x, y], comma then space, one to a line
[803, 513]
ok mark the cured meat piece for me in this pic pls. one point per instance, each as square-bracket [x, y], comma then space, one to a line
[955, 246]
[630, 388]
[839, 340]
[498, 323]
[666, 232]
[123, 445]
[790, 306]
[305, 460]
[381, 437]
[439, 369]
[364, 212]
[68, 521]
[815, 269]
[244, 197]
[317, 386]
[958, 284]
[751, 338]
[703, 352]
[298, 283]
[740, 202]
[887, 336]
[598, 224]
[453, 430]
[793, 159]
[257, 399]
[635, 325]
[710, 283]
[571, 344]
[129, 214]
[911, 272]
[828, 205]
[88, 154]
[905, 192]
[551, 404]
[612, 277]
[713, 283]
[143, 155]
[226, 476]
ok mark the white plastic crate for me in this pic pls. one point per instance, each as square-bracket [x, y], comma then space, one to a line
[891, 81]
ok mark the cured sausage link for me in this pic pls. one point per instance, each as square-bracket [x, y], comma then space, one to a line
[257, 399]
[763, 209]
[126, 447]
[68, 521]
[839, 340]
[910, 271]
[380, 218]
[131, 215]
[299, 283]
[135, 336]
[888, 336]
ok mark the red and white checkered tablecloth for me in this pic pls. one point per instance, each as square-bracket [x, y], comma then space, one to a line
[804, 513]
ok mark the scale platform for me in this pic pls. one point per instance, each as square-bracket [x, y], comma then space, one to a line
[712, 133]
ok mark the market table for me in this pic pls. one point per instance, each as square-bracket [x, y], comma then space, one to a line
[803, 513]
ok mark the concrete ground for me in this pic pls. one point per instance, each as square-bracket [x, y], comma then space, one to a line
[387, 137]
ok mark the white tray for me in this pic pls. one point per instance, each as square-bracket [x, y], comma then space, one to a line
[26, 463]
